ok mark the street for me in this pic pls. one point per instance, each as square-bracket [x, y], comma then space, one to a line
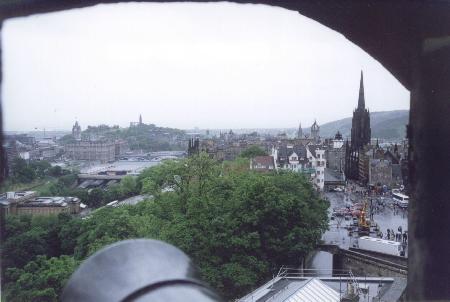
[337, 233]
[385, 218]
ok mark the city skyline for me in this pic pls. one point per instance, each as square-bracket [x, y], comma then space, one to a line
[216, 66]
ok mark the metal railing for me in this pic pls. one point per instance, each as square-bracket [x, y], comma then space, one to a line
[350, 286]
[291, 272]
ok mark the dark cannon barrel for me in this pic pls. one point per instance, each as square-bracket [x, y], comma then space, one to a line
[137, 270]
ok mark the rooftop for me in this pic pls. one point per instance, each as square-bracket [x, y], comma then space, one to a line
[53, 201]
[7, 197]
[312, 285]
[263, 160]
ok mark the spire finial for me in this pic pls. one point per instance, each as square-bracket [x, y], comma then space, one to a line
[300, 131]
[361, 100]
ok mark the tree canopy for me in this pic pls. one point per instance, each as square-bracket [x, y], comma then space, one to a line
[40, 280]
[238, 226]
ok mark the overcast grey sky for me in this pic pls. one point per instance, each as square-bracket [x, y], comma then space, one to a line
[216, 65]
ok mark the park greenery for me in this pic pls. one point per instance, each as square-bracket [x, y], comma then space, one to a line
[93, 198]
[50, 180]
[238, 226]
[30, 174]
[26, 172]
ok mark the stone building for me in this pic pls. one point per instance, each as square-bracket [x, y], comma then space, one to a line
[360, 137]
[291, 157]
[361, 132]
[193, 147]
[309, 160]
[103, 151]
[120, 147]
[262, 164]
[364, 157]
[335, 153]
[76, 131]
[14, 146]
[19, 203]
[315, 132]
[380, 172]
[317, 161]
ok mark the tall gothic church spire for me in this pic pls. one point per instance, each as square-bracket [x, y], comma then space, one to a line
[300, 131]
[361, 121]
[361, 100]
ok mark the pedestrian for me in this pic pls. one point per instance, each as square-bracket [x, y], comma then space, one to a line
[405, 237]
[388, 234]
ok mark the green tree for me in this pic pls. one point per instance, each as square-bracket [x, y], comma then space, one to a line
[56, 171]
[40, 167]
[106, 226]
[67, 180]
[25, 237]
[96, 198]
[15, 225]
[128, 186]
[238, 226]
[22, 172]
[114, 192]
[40, 280]
[22, 248]
[82, 194]
[68, 234]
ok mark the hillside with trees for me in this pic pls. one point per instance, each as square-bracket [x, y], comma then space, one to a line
[33, 174]
[384, 125]
[238, 226]
[146, 137]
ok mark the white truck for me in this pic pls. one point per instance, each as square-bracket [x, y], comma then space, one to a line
[380, 245]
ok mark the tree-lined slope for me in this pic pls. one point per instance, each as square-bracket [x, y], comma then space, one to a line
[385, 124]
[238, 226]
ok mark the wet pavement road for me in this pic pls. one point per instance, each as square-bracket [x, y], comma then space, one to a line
[338, 234]
[386, 217]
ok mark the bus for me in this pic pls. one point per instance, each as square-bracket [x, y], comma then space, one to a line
[401, 200]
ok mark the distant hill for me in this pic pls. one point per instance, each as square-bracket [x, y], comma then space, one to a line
[384, 124]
